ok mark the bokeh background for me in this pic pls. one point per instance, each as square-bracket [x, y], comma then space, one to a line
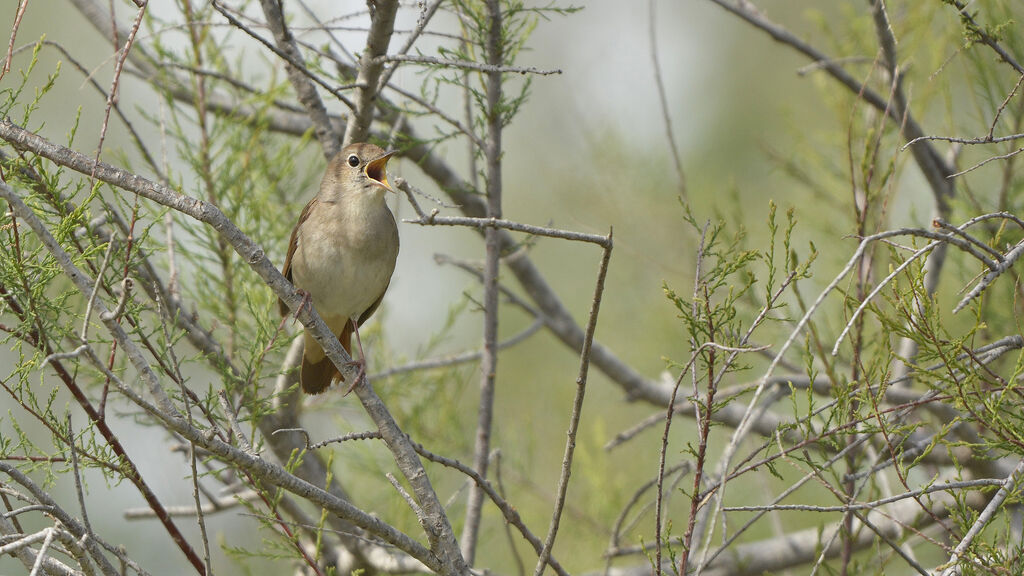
[588, 152]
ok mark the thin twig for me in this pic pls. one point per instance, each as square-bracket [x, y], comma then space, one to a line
[1003, 105]
[426, 14]
[577, 409]
[122, 301]
[298, 74]
[520, 567]
[986, 161]
[986, 516]
[1009, 259]
[194, 510]
[509, 512]
[666, 118]
[355, 436]
[968, 141]
[43, 548]
[112, 95]
[412, 191]
[78, 477]
[940, 223]
[945, 486]
[619, 527]
[407, 497]
[982, 34]
[494, 53]
[22, 5]
[229, 413]
[464, 64]
[882, 284]
[193, 467]
[489, 223]
[663, 449]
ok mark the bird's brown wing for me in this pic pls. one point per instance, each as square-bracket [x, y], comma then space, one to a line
[373, 307]
[293, 242]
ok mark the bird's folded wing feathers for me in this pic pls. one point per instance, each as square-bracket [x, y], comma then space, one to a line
[293, 242]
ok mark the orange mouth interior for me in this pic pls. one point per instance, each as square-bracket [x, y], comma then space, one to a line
[376, 170]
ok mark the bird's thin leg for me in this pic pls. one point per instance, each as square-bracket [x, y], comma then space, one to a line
[306, 299]
[361, 362]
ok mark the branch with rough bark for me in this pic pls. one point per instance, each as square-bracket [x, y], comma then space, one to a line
[254, 256]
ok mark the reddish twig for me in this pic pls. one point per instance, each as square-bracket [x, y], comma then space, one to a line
[14, 33]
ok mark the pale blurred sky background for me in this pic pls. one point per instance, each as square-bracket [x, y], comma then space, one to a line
[588, 152]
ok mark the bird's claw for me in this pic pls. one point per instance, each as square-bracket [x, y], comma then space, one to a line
[359, 375]
[306, 299]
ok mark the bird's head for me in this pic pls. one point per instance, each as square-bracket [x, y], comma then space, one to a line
[362, 168]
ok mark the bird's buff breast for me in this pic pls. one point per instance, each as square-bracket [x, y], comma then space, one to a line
[346, 271]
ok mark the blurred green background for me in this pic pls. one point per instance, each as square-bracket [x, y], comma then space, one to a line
[587, 153]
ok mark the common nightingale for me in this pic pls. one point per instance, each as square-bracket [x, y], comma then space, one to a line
[342, 253]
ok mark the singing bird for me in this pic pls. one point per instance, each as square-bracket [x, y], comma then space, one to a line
[342, 253]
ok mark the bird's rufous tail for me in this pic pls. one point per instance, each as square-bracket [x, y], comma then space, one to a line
[318, 372]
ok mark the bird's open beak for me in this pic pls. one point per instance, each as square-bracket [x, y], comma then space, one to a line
[376, 170]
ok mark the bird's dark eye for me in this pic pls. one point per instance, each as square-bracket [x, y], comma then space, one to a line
[353, 160]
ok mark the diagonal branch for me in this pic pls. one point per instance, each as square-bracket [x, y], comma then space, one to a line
[445, 557]
[986, 516]
[935, 169]
[168, 414]
[980, 34]
[382, 26]
[304, 89]
[562, 324]
[87, 540]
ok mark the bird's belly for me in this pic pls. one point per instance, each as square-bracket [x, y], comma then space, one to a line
[342, 287]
